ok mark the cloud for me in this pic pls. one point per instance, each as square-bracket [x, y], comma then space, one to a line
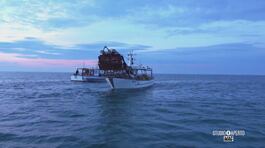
[190, 13]
[47, 52]
[234, 27]
[41, 62]
[123, 47]
[43, 14]
[164, 24]
[236, 58]
[57, 14]
[78, 29]
[35, 48]
[30, 46]
[226, 50]
[204, 59]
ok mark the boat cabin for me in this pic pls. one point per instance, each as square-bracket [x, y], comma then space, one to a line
[87, 72]
[112, 64]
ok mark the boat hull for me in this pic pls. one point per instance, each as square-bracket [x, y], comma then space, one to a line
[87, 78]
[118, 83]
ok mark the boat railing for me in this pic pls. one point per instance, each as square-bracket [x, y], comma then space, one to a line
[144, 74]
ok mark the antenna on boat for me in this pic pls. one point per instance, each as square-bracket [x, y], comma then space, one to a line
[131, 59]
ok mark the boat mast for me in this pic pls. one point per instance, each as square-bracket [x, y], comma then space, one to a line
[131, 58]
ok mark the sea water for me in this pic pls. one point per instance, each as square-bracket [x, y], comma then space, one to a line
[48, 110]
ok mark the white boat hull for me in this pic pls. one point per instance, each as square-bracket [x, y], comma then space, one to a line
[87, 78]
[118, 83]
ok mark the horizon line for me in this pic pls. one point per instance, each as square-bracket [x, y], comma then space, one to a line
[220, 74]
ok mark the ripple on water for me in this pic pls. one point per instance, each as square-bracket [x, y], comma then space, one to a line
[178, 111]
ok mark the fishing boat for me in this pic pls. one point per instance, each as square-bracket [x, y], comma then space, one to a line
[87, 75]
[121, 75]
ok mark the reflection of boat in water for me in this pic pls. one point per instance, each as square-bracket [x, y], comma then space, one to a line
[120, 75]
[87, 75]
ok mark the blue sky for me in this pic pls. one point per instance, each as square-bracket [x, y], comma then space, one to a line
[172, 36]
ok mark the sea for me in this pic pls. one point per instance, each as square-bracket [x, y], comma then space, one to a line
[47, 110]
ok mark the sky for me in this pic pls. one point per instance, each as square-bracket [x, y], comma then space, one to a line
[171, 36]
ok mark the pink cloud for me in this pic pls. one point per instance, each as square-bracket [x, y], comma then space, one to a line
[41, 62]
